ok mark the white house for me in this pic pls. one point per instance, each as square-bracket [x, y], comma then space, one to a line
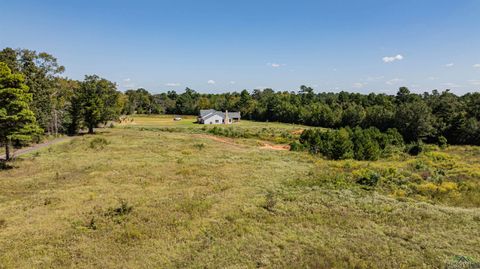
[211, 116]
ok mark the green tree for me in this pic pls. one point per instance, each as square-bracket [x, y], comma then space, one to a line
[98, 98]
[41, 71]
[187, 102]
[17, 121]
[353, 115]
[414, 120]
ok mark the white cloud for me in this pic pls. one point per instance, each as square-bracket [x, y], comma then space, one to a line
[476, 66]
[449, 65]
[389, 59]
[211, 82]
[232, 82]
[358, 85]
[172, 84]
[394, 81]
[432, 78]
[275, 65]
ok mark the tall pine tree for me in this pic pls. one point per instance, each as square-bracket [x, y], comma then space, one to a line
[17, 121]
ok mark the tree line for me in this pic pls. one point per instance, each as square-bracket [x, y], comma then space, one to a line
[36, 100]
[53, 104]
[430, 117]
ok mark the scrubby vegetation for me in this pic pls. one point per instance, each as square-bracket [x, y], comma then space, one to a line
[62, 105]
[359, 144]
[157, 198]
[393, 191]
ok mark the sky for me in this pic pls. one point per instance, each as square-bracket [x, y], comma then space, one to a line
[219, 46]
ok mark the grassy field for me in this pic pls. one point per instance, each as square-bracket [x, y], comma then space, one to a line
[275, 132]
[154, 193]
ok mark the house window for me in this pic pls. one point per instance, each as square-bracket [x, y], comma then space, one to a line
[216, 121]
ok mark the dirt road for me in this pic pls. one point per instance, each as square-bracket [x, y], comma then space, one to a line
[36, 147]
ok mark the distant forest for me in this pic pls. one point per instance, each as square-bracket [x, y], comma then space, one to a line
[62, 105]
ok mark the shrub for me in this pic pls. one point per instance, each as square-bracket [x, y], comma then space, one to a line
[98, 143]
[296, 146]
[415, 149]
[360, 144]
[442, 142]
[123, 209]
[367, 178]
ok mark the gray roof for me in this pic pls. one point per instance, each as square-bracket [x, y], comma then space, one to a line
[207, 113]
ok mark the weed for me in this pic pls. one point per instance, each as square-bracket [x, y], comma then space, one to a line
[199, 146]
[92, 224]
[270, 201]
[98, 143]
[121, 210]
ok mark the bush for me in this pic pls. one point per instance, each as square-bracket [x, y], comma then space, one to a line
[296, 146]
[360, 144]
[415, 149]
[442, 142]
[367, 178]
[98, 143]
[123, 209]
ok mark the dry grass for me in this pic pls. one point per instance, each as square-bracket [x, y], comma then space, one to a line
[152, 199]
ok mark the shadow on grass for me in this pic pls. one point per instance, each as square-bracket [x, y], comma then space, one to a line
[4, 165]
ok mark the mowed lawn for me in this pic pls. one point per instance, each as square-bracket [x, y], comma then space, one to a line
[140, 198]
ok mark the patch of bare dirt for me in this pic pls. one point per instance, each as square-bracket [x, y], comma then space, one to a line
[230, 141]
[297, 132]
[275, 147]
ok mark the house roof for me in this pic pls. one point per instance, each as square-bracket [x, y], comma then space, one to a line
[205, 112]
[208, 113]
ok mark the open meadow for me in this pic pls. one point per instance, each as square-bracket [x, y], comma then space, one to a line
[156, 193]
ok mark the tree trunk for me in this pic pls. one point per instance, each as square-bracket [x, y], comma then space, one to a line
[56, 123]
[7, 151]
[90, 129]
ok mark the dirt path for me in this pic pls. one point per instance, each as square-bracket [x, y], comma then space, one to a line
[35, 147]
[264, 145]
[275, 147]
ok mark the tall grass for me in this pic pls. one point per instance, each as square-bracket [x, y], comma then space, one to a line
[153, 199]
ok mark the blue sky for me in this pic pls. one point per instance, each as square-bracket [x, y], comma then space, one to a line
[218, 46]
